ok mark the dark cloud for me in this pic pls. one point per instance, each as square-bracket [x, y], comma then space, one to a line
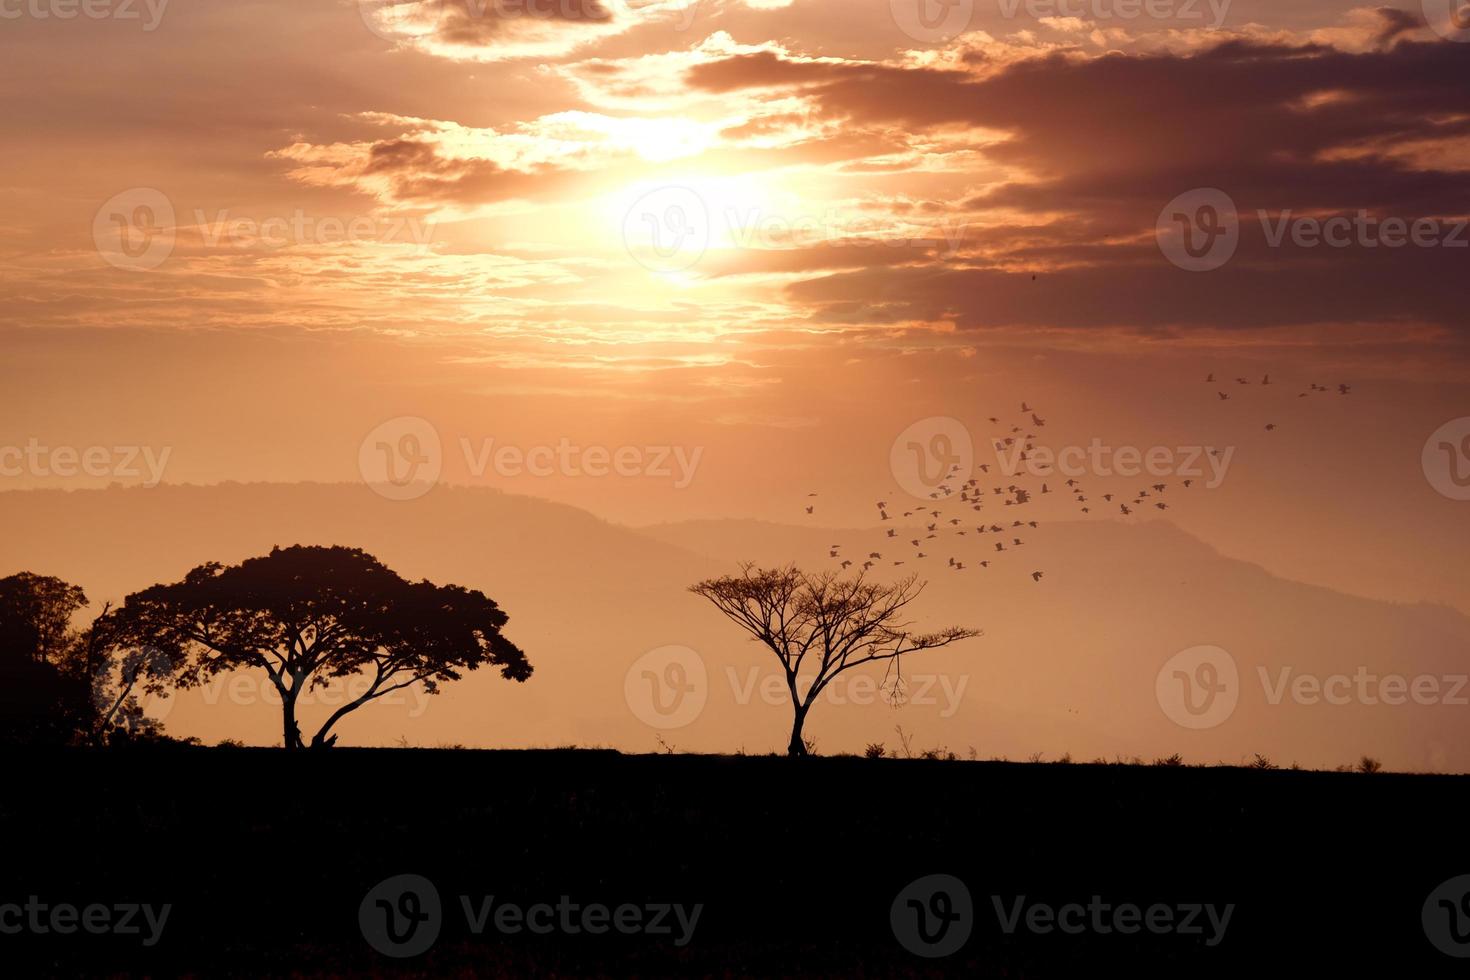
[484, 21]
[396, 156]
[1396, 23]
[420, 174]
[480, 22]
[1108, 141]
[1134, 287]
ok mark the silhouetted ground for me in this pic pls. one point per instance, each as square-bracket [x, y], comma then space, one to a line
[266, 858]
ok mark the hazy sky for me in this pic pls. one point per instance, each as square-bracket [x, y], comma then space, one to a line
[747, 244]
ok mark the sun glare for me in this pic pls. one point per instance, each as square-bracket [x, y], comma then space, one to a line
[668, 224]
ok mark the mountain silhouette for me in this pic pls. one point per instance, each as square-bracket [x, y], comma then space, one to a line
[1065, 666]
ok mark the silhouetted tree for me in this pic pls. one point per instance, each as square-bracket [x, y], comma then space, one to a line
[35, 615]
[823, 623]
[119, 673]
[62, 685]
[41, 700]
[309, 615]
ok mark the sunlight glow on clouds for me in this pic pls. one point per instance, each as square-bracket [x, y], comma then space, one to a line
[851, 181]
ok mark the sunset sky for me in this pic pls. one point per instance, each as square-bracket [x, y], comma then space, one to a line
[249, 235]
[996, 471]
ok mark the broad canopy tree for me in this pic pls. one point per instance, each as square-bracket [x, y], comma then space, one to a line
[309, 615]
[820, 625]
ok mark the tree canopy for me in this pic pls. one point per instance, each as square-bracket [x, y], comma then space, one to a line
[35, 615]
[823, 624]
[308, 615]
[64, 685]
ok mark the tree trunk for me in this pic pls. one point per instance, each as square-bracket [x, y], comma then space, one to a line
[797, 746]
[290, 731]
[323, 741]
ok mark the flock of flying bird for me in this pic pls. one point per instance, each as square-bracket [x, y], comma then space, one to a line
[1312, 389]
[968, 495]
[950, 512]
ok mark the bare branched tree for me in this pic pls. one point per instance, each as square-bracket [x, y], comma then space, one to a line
[819, 625]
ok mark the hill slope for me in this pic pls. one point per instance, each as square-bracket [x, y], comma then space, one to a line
[1067, 664]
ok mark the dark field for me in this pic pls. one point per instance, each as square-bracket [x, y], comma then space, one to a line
[265, 858]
